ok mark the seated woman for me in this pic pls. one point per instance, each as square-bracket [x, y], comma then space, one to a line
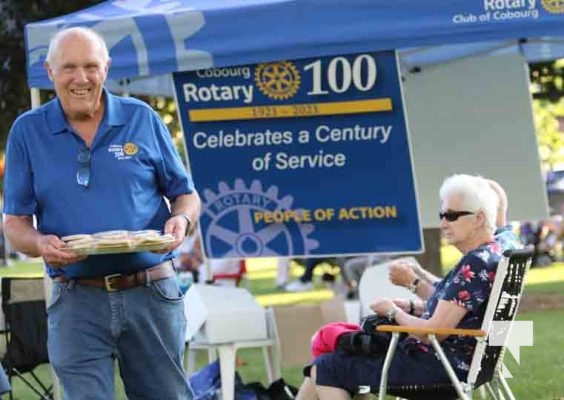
[468, 222]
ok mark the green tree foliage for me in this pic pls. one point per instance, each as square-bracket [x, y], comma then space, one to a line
[548, 120]
[547, 80]
[547, 88]
[14, 14]
[166, 107]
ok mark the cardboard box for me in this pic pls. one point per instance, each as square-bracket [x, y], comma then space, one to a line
[296, 325]
[220, 314]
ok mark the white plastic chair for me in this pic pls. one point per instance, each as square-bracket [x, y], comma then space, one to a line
[226, 352]
[375, 283]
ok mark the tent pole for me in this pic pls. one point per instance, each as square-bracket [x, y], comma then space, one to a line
[35, 98]
[36, 102]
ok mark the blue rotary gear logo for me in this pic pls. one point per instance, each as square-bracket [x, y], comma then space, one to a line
[230, 231]
[279, 80]
[553, 6]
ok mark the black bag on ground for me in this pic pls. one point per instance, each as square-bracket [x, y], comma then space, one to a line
[278, 390]
[260, 391]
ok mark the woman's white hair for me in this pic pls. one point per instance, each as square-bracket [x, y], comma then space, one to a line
[94, 36]
[476, 194]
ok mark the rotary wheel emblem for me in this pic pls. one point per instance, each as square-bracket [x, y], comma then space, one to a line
[229, 230]
[279, 80]
[553, 6]
[130, 149]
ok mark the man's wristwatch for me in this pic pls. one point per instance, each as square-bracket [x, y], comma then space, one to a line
[413, 285]
[188, 222]
[391, 314]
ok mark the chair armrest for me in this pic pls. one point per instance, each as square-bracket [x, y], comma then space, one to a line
[431, 331]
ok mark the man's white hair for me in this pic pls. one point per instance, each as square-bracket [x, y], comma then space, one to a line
[94, 36]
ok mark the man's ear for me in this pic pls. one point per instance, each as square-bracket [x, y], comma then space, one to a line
[48, 69]
[108, 65]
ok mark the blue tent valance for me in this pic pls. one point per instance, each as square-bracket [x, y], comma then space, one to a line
[154, 38]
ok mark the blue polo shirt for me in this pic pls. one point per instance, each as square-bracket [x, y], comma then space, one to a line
[133, 165]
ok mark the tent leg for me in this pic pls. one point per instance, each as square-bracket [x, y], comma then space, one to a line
[35, 98]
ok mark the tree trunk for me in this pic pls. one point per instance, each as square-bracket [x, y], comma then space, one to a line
[431, 258]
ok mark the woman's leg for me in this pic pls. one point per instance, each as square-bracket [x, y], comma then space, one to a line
[309, 391]
[329, 392]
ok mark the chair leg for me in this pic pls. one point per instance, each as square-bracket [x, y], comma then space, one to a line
[190, 356]
[506, 388]
[29, 384]
[227, 367]
[271, 362]
[495, 394]
[47, 390]
[462, 392]
[482, 392]
[387, 362]
[268, 364]
[212, 354]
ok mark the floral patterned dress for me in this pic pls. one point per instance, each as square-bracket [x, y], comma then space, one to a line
[468, 285]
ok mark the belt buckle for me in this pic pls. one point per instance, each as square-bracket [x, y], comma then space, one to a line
[108, 282]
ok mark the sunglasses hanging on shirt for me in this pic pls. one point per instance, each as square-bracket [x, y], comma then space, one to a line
[83, 173]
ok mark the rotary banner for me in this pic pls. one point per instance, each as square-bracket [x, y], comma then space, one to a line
[302, 157]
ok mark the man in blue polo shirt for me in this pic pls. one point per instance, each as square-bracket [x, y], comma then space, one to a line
[85, 162]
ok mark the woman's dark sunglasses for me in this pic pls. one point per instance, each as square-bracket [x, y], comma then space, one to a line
[452, 216]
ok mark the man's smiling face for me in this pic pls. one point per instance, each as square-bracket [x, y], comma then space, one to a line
[78, 70]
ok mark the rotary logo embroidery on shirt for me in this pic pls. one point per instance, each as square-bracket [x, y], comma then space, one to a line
[125, 151]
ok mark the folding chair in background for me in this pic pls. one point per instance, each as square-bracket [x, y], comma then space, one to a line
[487, 361]
[232, 277]
[23, 304]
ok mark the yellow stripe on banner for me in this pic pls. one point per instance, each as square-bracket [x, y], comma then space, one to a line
[291, 111]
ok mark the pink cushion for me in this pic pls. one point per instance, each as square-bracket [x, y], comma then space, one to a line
[325, 339]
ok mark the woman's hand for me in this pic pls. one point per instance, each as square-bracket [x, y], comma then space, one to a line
[401, 273]
[382, 306]
[403, 304]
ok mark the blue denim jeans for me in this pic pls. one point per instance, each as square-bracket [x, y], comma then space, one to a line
[143, 327]
[4, 382]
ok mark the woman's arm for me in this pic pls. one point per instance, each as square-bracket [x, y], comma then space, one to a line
[446, 315]
[402, 273]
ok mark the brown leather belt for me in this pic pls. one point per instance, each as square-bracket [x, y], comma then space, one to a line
[116, 282]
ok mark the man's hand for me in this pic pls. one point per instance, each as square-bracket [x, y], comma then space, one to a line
[50, 249]
[175, 226]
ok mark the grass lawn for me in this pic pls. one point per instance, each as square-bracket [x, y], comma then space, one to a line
[537, 376]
